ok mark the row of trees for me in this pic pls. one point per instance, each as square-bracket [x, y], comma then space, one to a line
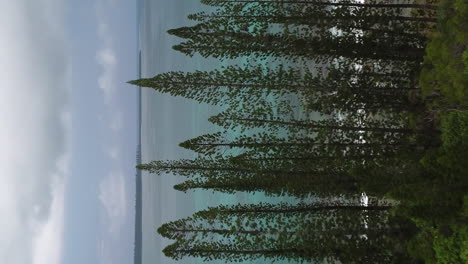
[319, 30]
[317, 232]
[342, 88]
[365, 57]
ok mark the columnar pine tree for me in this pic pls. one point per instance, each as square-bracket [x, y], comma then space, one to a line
[223, 175]
[285, 208]
[320, 232]
[225, 167]
[318, 183]
[221, 43]
[366, 56]
[227, 85]
[210, 144]
[325, 3]
[381, 29]
[315, 13]
[233, 119]
[341, 89]
[374, 27]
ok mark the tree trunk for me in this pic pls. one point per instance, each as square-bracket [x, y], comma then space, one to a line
[311, 209]
[332, 127]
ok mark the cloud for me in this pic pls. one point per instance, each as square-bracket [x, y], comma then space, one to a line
[113, 197]
[113, 192]
[106, 56]
[112, 189]
[107, 59]
[47, 244]
[34, 94]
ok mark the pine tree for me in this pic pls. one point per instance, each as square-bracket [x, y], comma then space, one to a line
[379, 29]
[315, 2]
[221, 43]
[239, 87]
[292, 185]
[341, 89]
[248, 232]
[285, 208]
[315, 12]
[210, 144]
[267, 121]
[215, 168]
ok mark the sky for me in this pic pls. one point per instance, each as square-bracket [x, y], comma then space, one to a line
[68, 131]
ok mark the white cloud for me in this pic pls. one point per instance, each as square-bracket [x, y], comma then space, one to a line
[106, 56]
[47, 244]
[112, 189]
[107, 59]
[33, 158]
[113, 196]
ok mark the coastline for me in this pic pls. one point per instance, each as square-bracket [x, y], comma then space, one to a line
[137, 254]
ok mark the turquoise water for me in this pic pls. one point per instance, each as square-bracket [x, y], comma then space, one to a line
[167, 121]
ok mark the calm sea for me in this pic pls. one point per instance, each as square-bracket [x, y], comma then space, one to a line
[166, 121]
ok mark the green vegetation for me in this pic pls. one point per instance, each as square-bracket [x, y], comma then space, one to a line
[445, 64]
[402, 141]
[239, 233]
[443, 235]
[443, 193]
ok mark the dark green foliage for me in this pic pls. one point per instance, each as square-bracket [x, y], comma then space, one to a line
[299, 185]
[450, 245]
[334, 144]
[240, 28]
[228, 176]
[375, 133]
[420, 247]
[268, 121]
[368, 4]
[231, 85]
[443, 79]
[232, 44]
[342, 89]
[282, 232]
[443, 189]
